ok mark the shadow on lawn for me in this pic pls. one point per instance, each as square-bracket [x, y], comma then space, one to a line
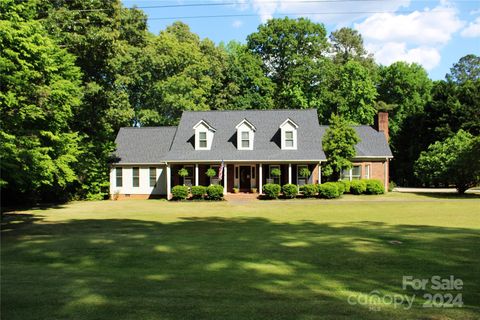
[216, 268]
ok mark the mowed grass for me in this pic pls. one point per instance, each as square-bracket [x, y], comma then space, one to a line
[299, 259]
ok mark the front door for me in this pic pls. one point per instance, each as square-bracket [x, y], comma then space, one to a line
[245, 178]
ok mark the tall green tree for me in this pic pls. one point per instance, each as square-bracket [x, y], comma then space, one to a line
[105, 37]
[186, 73]
[39, 91]
[406, 87]
[467, 68]
[245, 86]
[355, 94]
[339, 146]
[455, 160]
[293, 52]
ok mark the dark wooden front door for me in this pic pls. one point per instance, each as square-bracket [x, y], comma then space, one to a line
[245, 178]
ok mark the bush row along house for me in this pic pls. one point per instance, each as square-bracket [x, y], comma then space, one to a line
[247, 145]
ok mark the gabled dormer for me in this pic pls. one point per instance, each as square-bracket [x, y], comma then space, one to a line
[245, 135]
[288, 133]
[203, 135]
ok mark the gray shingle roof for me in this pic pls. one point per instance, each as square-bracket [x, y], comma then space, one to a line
[372, 143]
[160, 144]
[266, 144]
[143, 145]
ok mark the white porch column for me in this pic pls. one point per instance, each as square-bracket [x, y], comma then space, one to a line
[169, 184]
[196, 174]
[319, 173]
[289, 173]
[225, 179]
[260, 179]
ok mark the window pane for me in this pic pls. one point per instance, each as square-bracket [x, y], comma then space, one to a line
[356, 172]
[203, 143]
[135, 177]
[153, 176]
[119, 179]
[203, 135]
[345, 174]
[289, 143]
[289, 135]
[244, 135]
[245, 143]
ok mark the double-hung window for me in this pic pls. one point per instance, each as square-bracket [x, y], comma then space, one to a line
[153, 176]
[202, 139]
[245, 139]
[289, 139]
[352, 174]
[135, 176]
[119, 176]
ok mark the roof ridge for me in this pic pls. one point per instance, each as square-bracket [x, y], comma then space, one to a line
[249, 110]
[149, 127]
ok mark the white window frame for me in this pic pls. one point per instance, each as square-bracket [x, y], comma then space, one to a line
[133, 177]
[200, 140]
[291, 139]
[350, 173]
[117, 176]
[150, 171]
[242, 140]
[367, 171]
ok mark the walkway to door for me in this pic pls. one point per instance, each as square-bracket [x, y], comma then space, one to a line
[241, 197]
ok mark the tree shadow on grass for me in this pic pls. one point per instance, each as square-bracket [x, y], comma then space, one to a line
[216, 268]
[451, 196]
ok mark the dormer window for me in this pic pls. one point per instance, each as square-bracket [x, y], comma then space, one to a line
[203, 135]
[245, 135]
[245, 139]
[289, 139]
[288, 130]
[202, 139]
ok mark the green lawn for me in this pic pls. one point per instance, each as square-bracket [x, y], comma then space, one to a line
[299, 259]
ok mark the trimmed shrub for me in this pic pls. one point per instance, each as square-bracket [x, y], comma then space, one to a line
[374, 187]
[309, 190]
[329, 190]
[341, 188]
[180, 192]
[198, 192]
[346, 185]
[215, 192]
[290, 191]
[358, 186]
[271, 190]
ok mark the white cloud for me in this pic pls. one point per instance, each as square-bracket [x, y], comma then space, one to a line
[428, 27]
[237, 23]
[390, 52]
[415, 37]
[334, 12]
[472, 30]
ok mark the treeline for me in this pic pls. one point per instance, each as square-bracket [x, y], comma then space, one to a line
[73, 72]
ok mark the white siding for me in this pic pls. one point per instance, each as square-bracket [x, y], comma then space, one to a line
[144, 183]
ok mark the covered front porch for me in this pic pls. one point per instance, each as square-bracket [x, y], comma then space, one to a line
[243, 176]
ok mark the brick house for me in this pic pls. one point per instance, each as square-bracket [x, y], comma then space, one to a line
[250, 143]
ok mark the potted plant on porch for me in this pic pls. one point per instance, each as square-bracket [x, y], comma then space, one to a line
[275, 173]
[305, 173]
[212, 173]
[183, 173]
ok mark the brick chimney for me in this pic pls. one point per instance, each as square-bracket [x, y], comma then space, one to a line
[381, 123]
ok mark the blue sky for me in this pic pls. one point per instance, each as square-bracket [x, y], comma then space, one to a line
[434, 33]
